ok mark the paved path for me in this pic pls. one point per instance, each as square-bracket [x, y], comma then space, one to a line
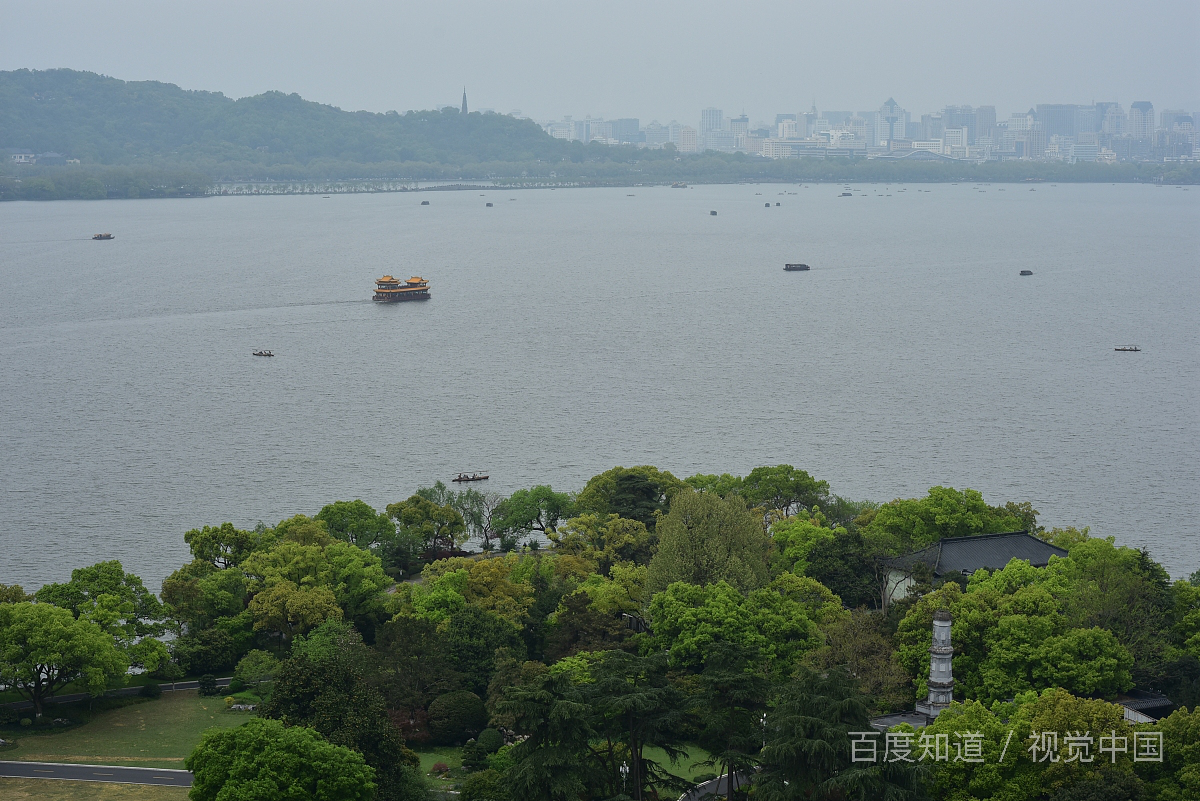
[712, 788]
[95, 773]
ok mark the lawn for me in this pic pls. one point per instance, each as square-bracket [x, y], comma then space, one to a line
[151, 734]
[54, 790]
[449, 755]
[683, 767]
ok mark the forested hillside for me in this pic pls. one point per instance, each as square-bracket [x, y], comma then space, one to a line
[102, 120]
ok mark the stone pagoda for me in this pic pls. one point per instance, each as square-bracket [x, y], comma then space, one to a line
[941, 680]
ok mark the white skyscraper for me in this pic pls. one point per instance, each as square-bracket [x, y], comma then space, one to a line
[711, 119]
[890, 122]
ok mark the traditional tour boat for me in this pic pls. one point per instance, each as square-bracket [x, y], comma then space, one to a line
[102, 236]
[393, 290]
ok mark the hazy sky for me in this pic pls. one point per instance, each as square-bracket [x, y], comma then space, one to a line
[639, 59]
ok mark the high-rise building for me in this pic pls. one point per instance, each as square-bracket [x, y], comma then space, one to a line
[711, 119]
[787, 129]
[960, 117]
[985, 122]
[626, 129]
[721, 141]
[1113, 122]
[1085, 121]
[656, 134]
[859, 127]
[1168, 117]
[1057, 119]
[689, 142]
[1141, 119]
[932, 126]
[891, 122]
[740, 125]
[464, 105]
[836, 118]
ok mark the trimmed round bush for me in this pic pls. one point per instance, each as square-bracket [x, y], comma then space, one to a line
[457, 716]
[26, 722]
[236, 685]
[207, 684]
[150, 690]
[490, 740]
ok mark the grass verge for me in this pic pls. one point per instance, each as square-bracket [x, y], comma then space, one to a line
[54, 790]
[152, 734]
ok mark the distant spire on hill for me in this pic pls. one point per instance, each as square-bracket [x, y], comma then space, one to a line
[464, 108]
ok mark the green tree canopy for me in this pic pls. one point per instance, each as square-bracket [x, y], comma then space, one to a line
[705, 539]
[605, 542]
[636, 493]
[807, 753]
[532, 510]
[141, 612]
[44, 647]
[1011, 635]
[263, 760]
[296, 587]
[13, 594]
[777, 621]
[436, 527]
[357, 523]
[945, 512]
[222, 546]
[783, 489]
[328, 684]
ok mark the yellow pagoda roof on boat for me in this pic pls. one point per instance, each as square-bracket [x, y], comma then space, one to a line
[387, 279]
[416, 279]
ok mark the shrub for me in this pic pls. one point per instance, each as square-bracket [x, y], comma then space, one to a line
[486, 785]
[236, 685]
[490, 740]
[440, 767]
[255, 668]
[473, 757]
[413, 724]
[26, 722]
[701, 778]
[150, 690]
[207, 684]
[230, 701]
[456, 716]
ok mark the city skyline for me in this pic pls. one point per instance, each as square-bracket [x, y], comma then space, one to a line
[623, 59]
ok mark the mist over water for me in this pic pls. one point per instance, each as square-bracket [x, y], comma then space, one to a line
[573, 330]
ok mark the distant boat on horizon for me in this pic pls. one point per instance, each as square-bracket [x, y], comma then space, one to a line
[102, 236]
[1128, 349]
[791, 268]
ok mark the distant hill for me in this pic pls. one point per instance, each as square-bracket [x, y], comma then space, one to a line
[102, 120]
[151, 139]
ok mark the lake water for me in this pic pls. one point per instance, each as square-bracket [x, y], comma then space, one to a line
[573, 330]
